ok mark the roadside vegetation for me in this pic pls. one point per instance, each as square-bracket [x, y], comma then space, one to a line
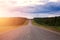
[12, 21]
[51, 22]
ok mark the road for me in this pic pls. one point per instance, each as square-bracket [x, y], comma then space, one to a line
[29, 32]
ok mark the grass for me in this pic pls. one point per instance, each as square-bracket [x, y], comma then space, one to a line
[7, 28]
[26, 22]
[46, 26]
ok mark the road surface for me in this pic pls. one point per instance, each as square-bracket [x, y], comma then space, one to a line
[29, 32]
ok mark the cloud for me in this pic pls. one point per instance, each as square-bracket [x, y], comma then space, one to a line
[53, 0]
[47, 8]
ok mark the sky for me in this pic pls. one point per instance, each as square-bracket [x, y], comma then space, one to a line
[29, 8]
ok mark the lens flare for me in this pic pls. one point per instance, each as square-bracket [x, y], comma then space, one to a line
[7, 24]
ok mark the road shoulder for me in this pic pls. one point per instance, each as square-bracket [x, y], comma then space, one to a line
[46, 28]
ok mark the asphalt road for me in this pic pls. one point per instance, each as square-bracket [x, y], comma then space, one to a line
[29, 32]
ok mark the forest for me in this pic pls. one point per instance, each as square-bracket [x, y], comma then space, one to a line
[49, 21]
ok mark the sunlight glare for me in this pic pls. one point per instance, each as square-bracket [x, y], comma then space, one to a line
[7, 24]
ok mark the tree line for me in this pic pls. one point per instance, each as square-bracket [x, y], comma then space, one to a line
[50, 21]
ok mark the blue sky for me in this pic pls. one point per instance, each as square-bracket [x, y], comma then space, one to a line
[29, 8]
[50, 7]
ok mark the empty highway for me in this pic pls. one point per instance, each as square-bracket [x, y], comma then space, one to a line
[29, 32]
